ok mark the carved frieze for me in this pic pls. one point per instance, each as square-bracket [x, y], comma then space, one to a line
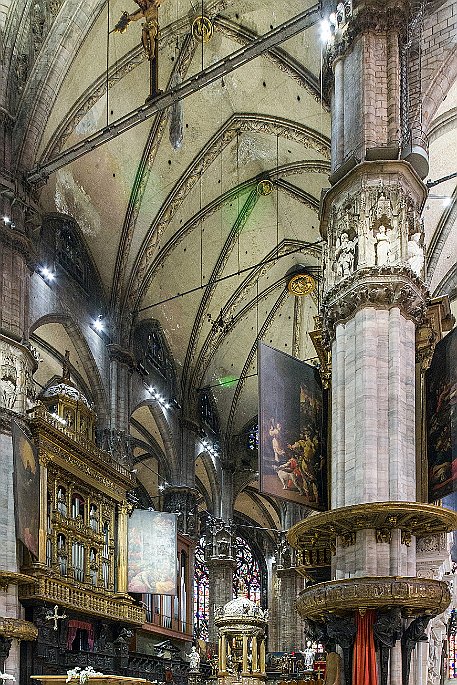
[412, 518]
[373, 223]
[17, 365]
[381, 287]
[414, 595]
[17, 628]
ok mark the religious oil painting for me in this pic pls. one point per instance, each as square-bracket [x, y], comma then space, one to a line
[26, 489]
[291, 427]
[442, 419]
[152, 553]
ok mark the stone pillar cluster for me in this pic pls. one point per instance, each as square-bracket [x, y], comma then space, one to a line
[17, 394]
[220, 556]
[374, 300]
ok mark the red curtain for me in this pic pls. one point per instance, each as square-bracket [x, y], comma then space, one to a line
[364, 671]
[73, 629]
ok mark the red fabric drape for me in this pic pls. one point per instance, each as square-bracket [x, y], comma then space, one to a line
[73, 629]
[364, 671]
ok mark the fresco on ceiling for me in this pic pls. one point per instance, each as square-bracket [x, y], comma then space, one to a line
[291, 429]
[152, 553]
[441, 401]
[26, 489]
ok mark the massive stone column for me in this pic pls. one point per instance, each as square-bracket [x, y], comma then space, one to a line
[374, 300]
[220, 554]
[285, 632]
[17, 365]
[115, 438]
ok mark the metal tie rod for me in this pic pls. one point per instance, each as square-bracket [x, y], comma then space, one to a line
[237, 59]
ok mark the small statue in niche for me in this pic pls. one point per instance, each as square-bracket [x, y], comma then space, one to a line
[382, 245]
[415, 253]
[345, 255]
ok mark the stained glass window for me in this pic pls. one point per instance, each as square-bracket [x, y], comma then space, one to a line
[201, 592]
[246, 579]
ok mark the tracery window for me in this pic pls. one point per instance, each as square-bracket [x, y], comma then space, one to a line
[201, 592]
[247, 578]
[70, 254]
[247, 572]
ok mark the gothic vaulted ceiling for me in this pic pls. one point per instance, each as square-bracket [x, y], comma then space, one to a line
[179, 226]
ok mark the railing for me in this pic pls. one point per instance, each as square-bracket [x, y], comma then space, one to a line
[92, 601]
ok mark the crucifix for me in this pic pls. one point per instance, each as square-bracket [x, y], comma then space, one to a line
[55, 616]
[149, 10]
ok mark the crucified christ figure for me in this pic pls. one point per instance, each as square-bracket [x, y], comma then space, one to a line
[149, 11]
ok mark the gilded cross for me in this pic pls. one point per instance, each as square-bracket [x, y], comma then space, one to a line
[55, 616]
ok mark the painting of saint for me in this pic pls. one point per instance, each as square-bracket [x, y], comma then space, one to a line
[441, 400]
[26, 489]
[291, 421]
[152, 553]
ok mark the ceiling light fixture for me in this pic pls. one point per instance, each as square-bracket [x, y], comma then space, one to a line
[47, 274]
[325, 30]
[98, 324]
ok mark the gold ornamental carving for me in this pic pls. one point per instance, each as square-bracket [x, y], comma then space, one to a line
[13, 578]
[79, 598]
[413, 595]
[202, 29]
[319, 531]
[18, 629]
[301, 284]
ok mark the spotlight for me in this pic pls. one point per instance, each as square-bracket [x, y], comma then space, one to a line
[325, 30]
[47, 274]
[6, 220]
[447, 201]
[98, 323]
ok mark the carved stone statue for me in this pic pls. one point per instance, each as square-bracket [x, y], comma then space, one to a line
[194, 660]
[382, 242]
[386, 631]
[344, 256]
[309, 654]
[413, 634]
[415, 254]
